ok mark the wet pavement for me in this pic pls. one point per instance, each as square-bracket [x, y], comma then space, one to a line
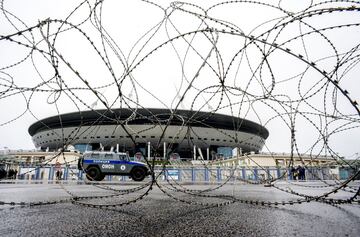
[159, 215]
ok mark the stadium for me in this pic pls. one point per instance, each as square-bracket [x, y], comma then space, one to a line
[167, 132]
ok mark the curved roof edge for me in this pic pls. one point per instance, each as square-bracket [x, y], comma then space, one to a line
[149, 115]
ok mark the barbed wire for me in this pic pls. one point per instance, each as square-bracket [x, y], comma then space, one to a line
[274, 73]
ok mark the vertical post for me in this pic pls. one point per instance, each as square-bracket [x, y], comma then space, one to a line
[164, 150]
[166, 174]
[37, 174]
[207, 153]
[206, 175]
[66, 173]
[19, 172]
[80, 174]
[289, 174]
[256, 174]
[51, 173]
[117, 148]
[218, 174]
[193, 174]
[243, 170]
[148, 155]
[278, 172]
[194, 152]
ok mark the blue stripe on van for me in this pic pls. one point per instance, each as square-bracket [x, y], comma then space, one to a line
[111, 162]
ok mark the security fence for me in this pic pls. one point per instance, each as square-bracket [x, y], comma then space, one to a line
[190, 174]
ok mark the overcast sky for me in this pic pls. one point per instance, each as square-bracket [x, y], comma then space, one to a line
[211, 70]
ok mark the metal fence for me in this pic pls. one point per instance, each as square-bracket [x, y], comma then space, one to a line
[189, 174]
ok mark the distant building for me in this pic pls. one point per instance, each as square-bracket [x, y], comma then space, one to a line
[35, 158]
[275, 160]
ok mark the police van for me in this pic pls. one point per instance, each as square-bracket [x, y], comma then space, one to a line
[98, 164]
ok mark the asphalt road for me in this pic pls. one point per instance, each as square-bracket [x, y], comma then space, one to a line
[159, 215]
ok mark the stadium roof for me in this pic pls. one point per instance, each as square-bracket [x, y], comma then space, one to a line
[149, 116]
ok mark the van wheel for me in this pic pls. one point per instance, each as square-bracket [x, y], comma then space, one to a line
[93, 173]
[138, 174]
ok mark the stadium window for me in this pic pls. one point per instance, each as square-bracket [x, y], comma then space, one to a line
[205, 139]
[92, 137]
[199, 138]
[77, 138]
[47, 134]
[112, 136]
[191, 138]
[136, 136]
[177, 137]
[121, 136]
[84, 137]
[217, 140]
[212, 139]
[170, 137]
[152, 136]
[127, 136]
[106, 136]
[143, 136]
[224, 140]
[97, 136]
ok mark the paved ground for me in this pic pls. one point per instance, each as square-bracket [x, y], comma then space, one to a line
[159, 215]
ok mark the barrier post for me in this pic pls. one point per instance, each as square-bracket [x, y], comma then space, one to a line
[19, 172]
[218, 174]
[37, 173]
[80, 174]
[289, 174]
[278, 172]
[51, 173]
[66, 173]
[206, 174]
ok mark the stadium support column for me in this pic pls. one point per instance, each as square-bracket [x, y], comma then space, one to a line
[164, 150]
[117, 148]
[207, 153]
[148, 153]
[194, 152]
